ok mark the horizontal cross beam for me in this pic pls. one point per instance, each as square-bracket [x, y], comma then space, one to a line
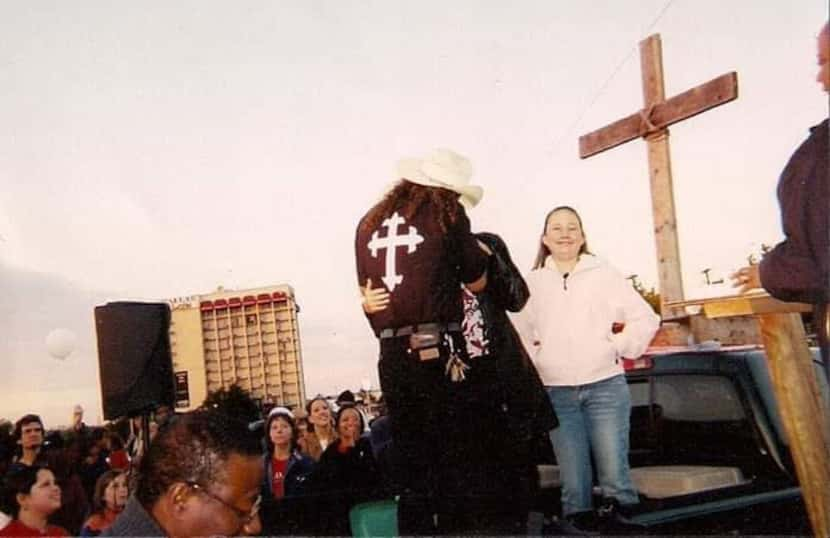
[716, 92]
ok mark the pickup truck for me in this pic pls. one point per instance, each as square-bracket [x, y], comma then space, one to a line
[708, 451]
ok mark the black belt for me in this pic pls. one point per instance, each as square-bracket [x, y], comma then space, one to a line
[421, 327]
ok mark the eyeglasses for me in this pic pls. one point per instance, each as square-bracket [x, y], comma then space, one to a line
[244, 516]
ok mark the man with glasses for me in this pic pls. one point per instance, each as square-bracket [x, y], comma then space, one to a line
[201, 477]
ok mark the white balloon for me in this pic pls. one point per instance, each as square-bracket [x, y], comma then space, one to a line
[60, 343]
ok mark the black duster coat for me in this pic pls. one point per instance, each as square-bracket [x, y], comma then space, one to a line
[525, 400]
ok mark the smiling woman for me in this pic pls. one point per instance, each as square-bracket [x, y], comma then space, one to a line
[346, 475]
[576, 299]
[321, 432]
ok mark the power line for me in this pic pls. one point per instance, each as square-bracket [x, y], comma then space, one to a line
[599, 93]
[659, 16]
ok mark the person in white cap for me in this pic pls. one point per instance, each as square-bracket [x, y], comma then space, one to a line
[416, 243]
[286, 473]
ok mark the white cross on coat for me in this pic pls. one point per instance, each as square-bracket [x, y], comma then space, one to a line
[390, 242]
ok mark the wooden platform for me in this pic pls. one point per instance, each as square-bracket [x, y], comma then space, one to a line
[730, 320]
[748, 304]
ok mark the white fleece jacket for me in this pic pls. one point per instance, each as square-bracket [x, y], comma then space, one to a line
[570, 318]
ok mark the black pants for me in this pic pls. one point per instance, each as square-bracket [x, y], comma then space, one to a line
[418, 396]
[446, 439]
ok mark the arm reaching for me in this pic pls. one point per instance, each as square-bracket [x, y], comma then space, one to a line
[748, 278]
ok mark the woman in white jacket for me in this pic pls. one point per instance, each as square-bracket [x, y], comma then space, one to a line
[575, 300]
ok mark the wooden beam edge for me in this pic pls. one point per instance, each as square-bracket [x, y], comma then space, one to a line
[740, 305]
[590, 144]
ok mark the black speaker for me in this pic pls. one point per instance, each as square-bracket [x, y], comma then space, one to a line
[134, 361]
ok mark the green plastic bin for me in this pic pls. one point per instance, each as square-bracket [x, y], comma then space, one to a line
[375, 518]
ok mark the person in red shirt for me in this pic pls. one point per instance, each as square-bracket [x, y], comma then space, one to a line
[34, 495]
[286, 471]
[110, 497]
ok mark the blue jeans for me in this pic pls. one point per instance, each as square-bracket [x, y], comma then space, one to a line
[593, 419]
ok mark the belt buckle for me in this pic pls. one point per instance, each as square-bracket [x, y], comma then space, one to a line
[425, 343]
[429, 354]
[424, 339]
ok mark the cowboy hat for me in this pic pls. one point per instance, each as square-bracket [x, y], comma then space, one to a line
[446, 169]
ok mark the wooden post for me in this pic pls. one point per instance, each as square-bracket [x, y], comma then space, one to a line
[659, 170]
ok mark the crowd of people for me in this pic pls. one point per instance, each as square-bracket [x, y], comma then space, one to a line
[300, 472]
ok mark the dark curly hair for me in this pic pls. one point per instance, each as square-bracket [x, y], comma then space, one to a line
[193, 448]
[19, 480]
[26, 419]
[407, 198]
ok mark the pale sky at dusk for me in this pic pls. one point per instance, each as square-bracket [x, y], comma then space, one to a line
[157, 149]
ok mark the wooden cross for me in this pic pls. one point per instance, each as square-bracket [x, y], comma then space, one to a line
[651, 123]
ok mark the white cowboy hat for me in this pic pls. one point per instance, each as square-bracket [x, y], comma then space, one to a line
[446, 169]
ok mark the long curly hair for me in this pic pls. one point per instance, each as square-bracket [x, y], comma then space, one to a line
[407, 198]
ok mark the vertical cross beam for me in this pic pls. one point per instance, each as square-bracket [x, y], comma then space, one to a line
[659, 170]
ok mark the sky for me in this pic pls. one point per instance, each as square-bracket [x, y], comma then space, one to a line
[157, 149]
